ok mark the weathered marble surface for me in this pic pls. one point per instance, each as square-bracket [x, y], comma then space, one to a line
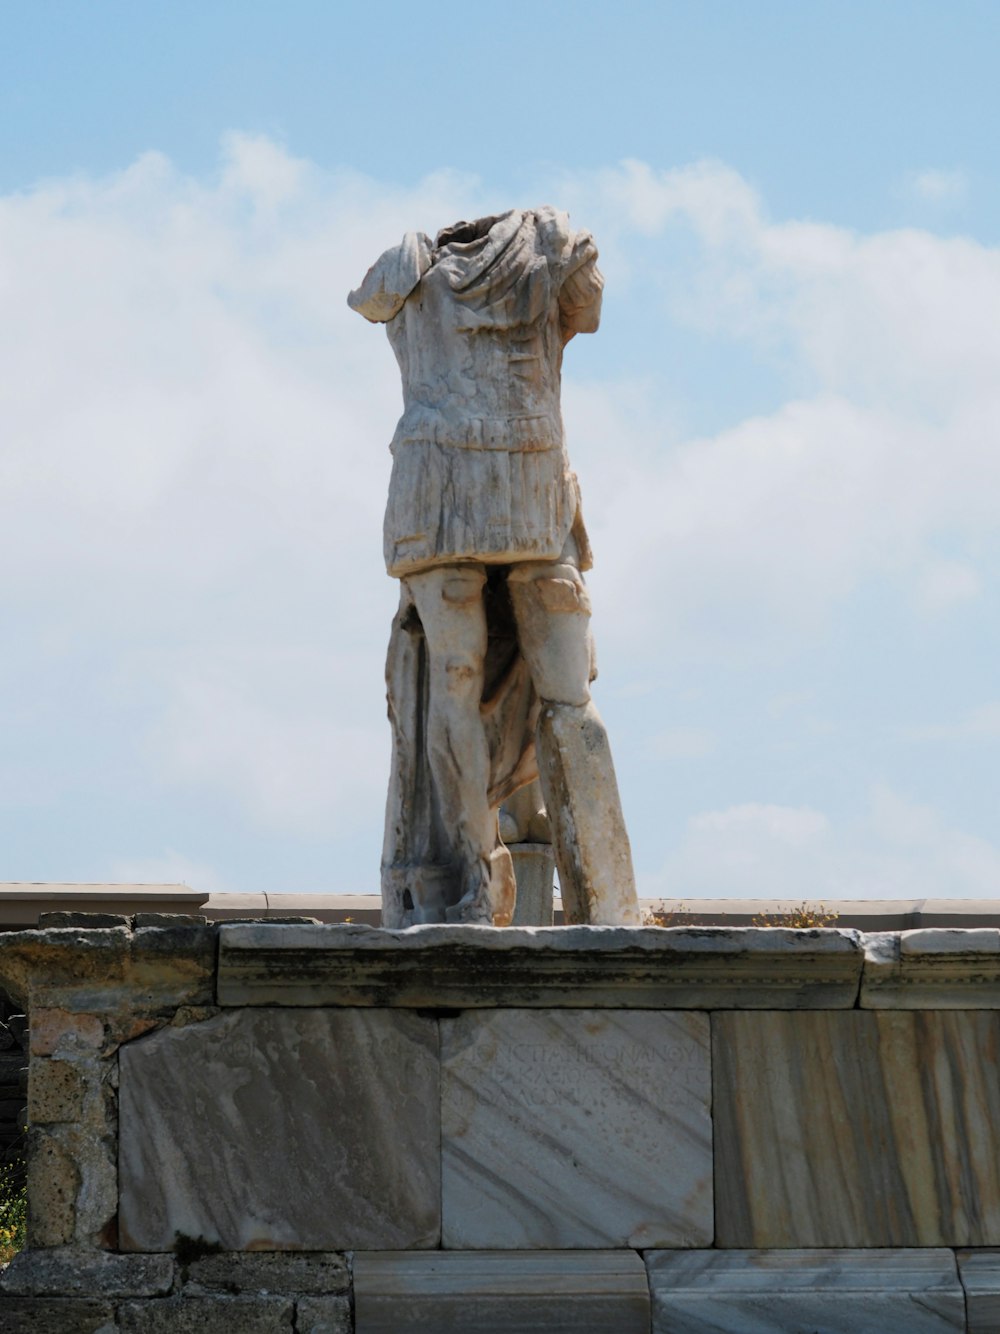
[477, 967]
[274, 1130]
[575, 1128]
[540, 1292]
[934, 968]
[980, 1275]
[791, 1292]
[866, 1128]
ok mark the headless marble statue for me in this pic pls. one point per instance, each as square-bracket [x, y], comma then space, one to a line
[490, 656]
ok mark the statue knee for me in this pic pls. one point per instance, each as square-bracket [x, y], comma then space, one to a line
[461, 675]
[575, 716]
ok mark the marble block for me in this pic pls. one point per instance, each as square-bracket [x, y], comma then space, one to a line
[272, 1130]
[980, 1275]
[790, 1292]
[861, 1128]
[575, 1128]
[475, 967]
[934, 968]
[539, 1292]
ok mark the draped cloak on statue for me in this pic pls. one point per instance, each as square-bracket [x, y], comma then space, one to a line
[478, 322]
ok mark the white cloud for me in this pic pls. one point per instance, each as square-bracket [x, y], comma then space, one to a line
[948, 583]
[921, 855]
[982, 724]
[754, 850]
[791, 825]
[194, 464]
[898, 849]
[683, 743]
[936, 186]
[887, 446]
[272, 732]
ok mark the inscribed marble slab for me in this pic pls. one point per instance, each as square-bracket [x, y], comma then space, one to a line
[575, 1128]
[282, 1130]
[856, 1129]
[508, 1292]
[788, 1292]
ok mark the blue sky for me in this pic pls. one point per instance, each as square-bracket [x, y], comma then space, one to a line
[786, 429]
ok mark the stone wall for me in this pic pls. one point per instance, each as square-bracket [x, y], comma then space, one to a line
[332, 1128]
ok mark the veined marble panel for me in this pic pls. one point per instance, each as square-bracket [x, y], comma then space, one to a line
[509, 1292]
[309, 1130]
[980, 1275]
[856, 1129]
[472, 967]
[575, 1128]
[822, 1292]
[935, 968]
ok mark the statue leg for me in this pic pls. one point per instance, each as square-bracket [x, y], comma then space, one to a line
[449, 602]
[593, 855]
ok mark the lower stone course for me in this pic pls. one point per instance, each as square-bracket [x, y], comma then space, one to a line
[66, 1290]
[293, 1272]
[259, 1314]
[819, 1291]
[842, 1291]
[56, 1315]
[324, 1315]
[500, 1292]
[980, 1272]
[66, 1272]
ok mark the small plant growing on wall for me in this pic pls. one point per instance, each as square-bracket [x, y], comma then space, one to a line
[803, 917]
[663, 916]
[13, 1214]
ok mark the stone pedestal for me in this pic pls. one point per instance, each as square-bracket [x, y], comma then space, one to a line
[336, 1128]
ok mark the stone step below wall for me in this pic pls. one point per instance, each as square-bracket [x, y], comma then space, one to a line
[916, 1291]
[791, 1292]
[536, 1292]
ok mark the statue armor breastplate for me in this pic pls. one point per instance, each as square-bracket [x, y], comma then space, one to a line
[479, 466]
